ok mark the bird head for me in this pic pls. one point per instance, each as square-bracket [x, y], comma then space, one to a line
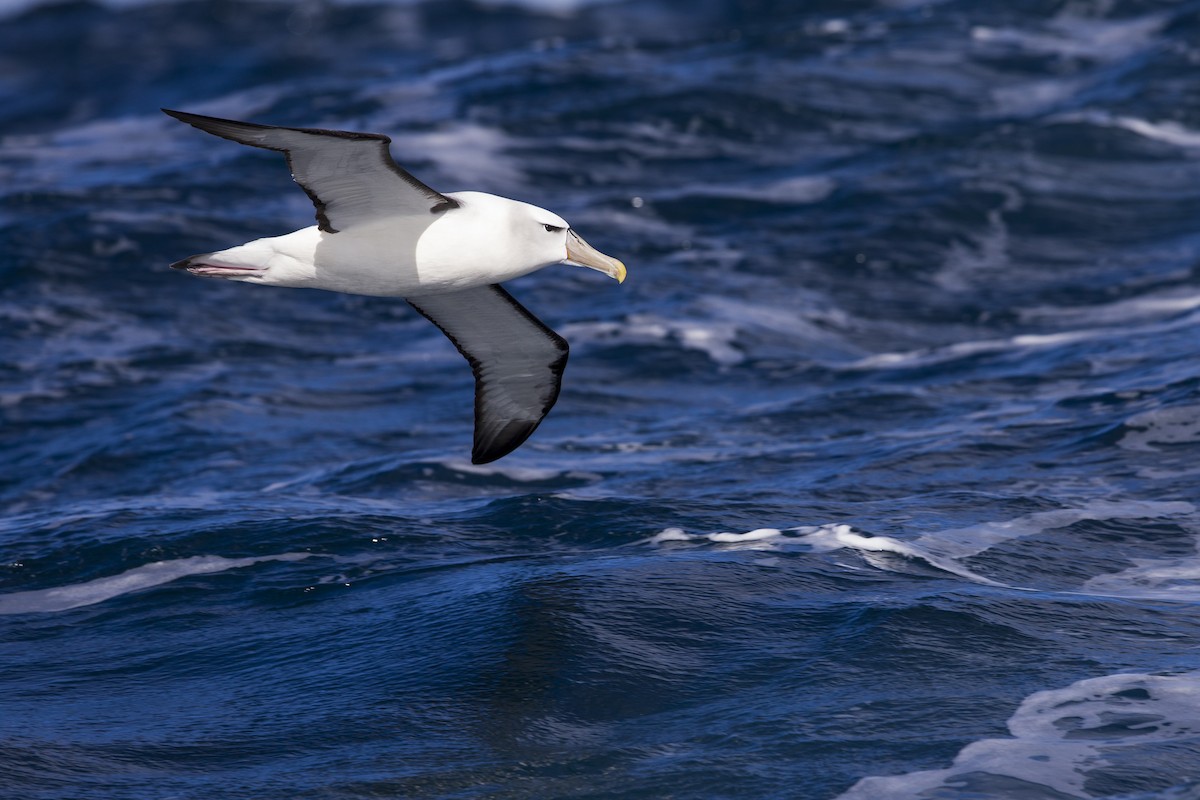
[536, 236]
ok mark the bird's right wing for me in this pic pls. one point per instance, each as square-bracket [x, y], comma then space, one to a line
[518, 363]
[350, 177]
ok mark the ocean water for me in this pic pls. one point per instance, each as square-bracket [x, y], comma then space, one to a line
[876, 480]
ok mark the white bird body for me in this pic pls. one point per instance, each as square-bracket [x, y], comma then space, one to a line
[483, 242]
[382, 232]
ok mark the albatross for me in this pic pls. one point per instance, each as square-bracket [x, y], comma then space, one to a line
[382, 232]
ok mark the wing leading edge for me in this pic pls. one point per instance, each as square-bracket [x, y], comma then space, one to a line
[350, 177]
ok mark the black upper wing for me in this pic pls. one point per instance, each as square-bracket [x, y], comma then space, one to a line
[350, 177]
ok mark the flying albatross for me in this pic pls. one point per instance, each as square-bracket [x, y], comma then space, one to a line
[382, 232]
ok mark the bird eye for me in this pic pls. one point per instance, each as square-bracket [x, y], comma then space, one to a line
[553, 228]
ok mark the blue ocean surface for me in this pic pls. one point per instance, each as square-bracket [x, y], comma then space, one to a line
[876, 480]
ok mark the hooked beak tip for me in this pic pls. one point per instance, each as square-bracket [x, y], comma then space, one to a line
[583, 254]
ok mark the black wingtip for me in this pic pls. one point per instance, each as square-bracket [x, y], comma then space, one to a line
[195, 120]
[500, 443]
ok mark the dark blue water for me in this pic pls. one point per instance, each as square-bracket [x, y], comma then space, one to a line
[876, 479]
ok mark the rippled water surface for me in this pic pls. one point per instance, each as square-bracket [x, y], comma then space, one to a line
[876, 479]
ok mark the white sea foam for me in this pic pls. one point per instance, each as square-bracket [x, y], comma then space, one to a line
[822, 538]
[802, 316]
[972, 540]
[82, 156]
[1062, 737]
[757, 539]
[670, 535]
[1118, 312]
[928, 356]
[946, 549]
[714, 339]
[1033, 97]
[1079, 36]
[800, 189]
[952, 352]
[521, 474]
[988, 254]
[1168, 131]
[1177, 579]
[750, 536]
[836, 537]
[1149, 431]
[146, 576]
[467, 154]
[716, 324]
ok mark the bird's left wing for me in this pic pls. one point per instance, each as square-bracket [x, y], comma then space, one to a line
[518, 363]
[350, 177]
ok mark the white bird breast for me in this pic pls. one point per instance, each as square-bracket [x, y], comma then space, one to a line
[378, 258]
[487, 240]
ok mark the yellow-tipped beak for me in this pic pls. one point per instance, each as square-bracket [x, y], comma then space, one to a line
[583, 254]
